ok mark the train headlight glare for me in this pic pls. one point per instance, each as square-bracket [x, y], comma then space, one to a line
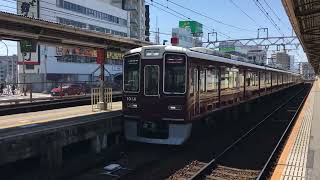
[152, 52]
[175, 108]
[132, 105]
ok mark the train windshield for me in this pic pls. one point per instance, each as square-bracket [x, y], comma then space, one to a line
[175, 74]
[131, 69]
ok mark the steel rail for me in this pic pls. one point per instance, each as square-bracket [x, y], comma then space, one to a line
[47, 105]
[267, 166]
[210, 165]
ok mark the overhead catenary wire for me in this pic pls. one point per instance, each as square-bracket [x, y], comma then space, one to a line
[186, 17]
[275, 14]
[208, 17]
[252, 19]
[266, 14]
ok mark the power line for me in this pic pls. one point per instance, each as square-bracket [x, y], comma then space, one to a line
[208, 17]
[245, 13]
[274, 13]
[266, 14]
[205, 26]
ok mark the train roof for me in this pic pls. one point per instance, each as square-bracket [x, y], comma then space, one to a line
[199, 53]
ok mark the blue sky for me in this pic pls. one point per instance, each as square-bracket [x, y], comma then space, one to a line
[221, 10]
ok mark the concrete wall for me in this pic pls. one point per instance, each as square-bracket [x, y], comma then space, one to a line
[49, 145]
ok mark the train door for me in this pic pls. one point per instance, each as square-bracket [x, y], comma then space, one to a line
[196, 91]
[151, 87]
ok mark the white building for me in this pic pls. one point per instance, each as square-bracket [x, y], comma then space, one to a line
[52, 63]
[137, 13]
[307, 71]
[282, 60]
[183, 37]
[8, 68]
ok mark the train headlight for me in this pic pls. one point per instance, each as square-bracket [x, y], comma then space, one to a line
[152, 52]
[132, 105]
[175, 107]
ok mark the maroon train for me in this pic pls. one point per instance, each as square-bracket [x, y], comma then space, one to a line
[167, 88]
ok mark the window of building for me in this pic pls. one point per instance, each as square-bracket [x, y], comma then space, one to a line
[91, 12]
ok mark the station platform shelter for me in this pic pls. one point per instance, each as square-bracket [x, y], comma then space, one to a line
[300, 158]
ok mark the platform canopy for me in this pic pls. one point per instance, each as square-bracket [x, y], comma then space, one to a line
[304, 16]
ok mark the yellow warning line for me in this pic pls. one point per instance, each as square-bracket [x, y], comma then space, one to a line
[282, 162]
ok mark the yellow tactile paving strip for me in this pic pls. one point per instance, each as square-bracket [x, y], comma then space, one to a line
[24, 119]
[293, 159]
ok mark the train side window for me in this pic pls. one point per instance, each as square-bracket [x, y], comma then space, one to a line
[233, 78]
[241, 79]
[193, 81]
[274, 79]
[202, 81]
[212, 80]
[268, 78]
[248, 79]
[262, 79]
[224, 78]
[191, 88]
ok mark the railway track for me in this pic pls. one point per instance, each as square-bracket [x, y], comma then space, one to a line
[48, 105]
[257, 158]
[148, 162]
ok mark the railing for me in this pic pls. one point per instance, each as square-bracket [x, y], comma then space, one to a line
[16, 93]
[98, 104]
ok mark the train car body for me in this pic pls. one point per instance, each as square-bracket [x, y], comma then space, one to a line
[166, 89]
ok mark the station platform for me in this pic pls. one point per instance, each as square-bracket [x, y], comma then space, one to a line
[300, 158]
[31, 118]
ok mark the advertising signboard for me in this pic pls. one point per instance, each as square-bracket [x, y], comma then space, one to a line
[28, 54]
[194, 26]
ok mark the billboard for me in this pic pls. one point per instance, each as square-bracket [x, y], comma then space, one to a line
[28, 52]
[194, 26]
[28, 8]
[227, 49]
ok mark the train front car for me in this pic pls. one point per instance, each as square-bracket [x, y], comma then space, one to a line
[154, 95]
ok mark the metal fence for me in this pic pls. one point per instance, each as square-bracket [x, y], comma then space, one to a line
[15, 93]
[96, 101]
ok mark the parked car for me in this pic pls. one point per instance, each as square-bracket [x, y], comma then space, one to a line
[72, 89]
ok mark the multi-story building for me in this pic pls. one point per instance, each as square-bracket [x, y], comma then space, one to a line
[254, 54]
[183, 37]
[54, 63]
[137, 10]
[282, 60]
[8, 68]
[257, 56]
[306, 70]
